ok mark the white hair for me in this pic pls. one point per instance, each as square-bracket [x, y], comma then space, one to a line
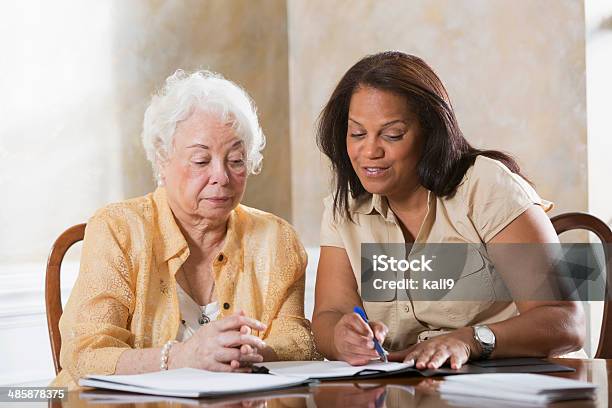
[208, 91]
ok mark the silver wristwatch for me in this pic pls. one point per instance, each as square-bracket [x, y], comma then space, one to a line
[486, 339]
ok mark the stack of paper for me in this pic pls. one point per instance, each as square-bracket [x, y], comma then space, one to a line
[526, 389]
[192, 383]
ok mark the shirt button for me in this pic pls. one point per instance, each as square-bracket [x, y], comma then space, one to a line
[406, 308]
[220, 258]
[226, 305]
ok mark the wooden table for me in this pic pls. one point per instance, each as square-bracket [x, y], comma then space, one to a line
[391, 392]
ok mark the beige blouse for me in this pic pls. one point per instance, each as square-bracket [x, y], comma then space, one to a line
[488, 198]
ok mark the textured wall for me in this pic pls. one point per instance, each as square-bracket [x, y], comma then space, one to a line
[77, 77]
[514, 70]
[71, 123]
[599, 88]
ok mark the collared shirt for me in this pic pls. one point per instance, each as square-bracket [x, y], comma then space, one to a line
[488, 198]
[125, 295]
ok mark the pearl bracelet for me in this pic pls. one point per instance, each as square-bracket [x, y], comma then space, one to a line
[165, 352]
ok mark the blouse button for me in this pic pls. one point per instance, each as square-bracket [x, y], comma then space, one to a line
[226, 305]
[220, 258]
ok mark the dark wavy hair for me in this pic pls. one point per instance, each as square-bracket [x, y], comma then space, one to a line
[446, 154]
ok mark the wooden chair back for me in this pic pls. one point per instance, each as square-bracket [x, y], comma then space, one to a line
[582, 221]
[53, 293]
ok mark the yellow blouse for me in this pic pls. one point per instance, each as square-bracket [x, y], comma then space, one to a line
[125, 295]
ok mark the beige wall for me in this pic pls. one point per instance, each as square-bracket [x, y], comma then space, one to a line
[76, 79]
[515, 72]
[599, 89]
[246, 44]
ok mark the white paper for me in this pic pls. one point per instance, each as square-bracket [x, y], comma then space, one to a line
[487, 402]
[531, 383]
[452, 391]
[526, 388]
[327, 369]
[189, 382]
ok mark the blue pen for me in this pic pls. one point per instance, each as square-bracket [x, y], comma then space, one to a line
[381, 351]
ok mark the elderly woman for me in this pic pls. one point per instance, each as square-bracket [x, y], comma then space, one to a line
[187, 276]
[405, 174]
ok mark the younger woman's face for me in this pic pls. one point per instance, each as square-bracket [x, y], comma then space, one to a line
[383, 141]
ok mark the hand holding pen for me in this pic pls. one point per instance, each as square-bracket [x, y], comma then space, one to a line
[382, 353]
[355, 339]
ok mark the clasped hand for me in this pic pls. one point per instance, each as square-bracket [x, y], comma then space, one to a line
[222, 345]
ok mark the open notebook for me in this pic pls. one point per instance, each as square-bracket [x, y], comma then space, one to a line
[340, 370]
[332, 370]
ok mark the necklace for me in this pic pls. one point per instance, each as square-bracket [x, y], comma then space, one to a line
[203, 319]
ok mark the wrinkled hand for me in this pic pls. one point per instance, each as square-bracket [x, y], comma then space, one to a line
[456, 348]
[222, 345]
[354, 339]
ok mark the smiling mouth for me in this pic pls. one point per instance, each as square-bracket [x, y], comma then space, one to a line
[375, 171]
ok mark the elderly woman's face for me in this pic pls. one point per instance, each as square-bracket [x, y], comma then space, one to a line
[383, 141]
[206, 173]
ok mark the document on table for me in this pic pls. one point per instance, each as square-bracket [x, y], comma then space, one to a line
[192, 383]
[330, 369]
[526, 389]
[339, 370]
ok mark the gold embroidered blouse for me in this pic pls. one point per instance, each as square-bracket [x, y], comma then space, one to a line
[125, 295]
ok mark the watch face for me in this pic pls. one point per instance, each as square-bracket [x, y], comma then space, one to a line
[485, 335]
